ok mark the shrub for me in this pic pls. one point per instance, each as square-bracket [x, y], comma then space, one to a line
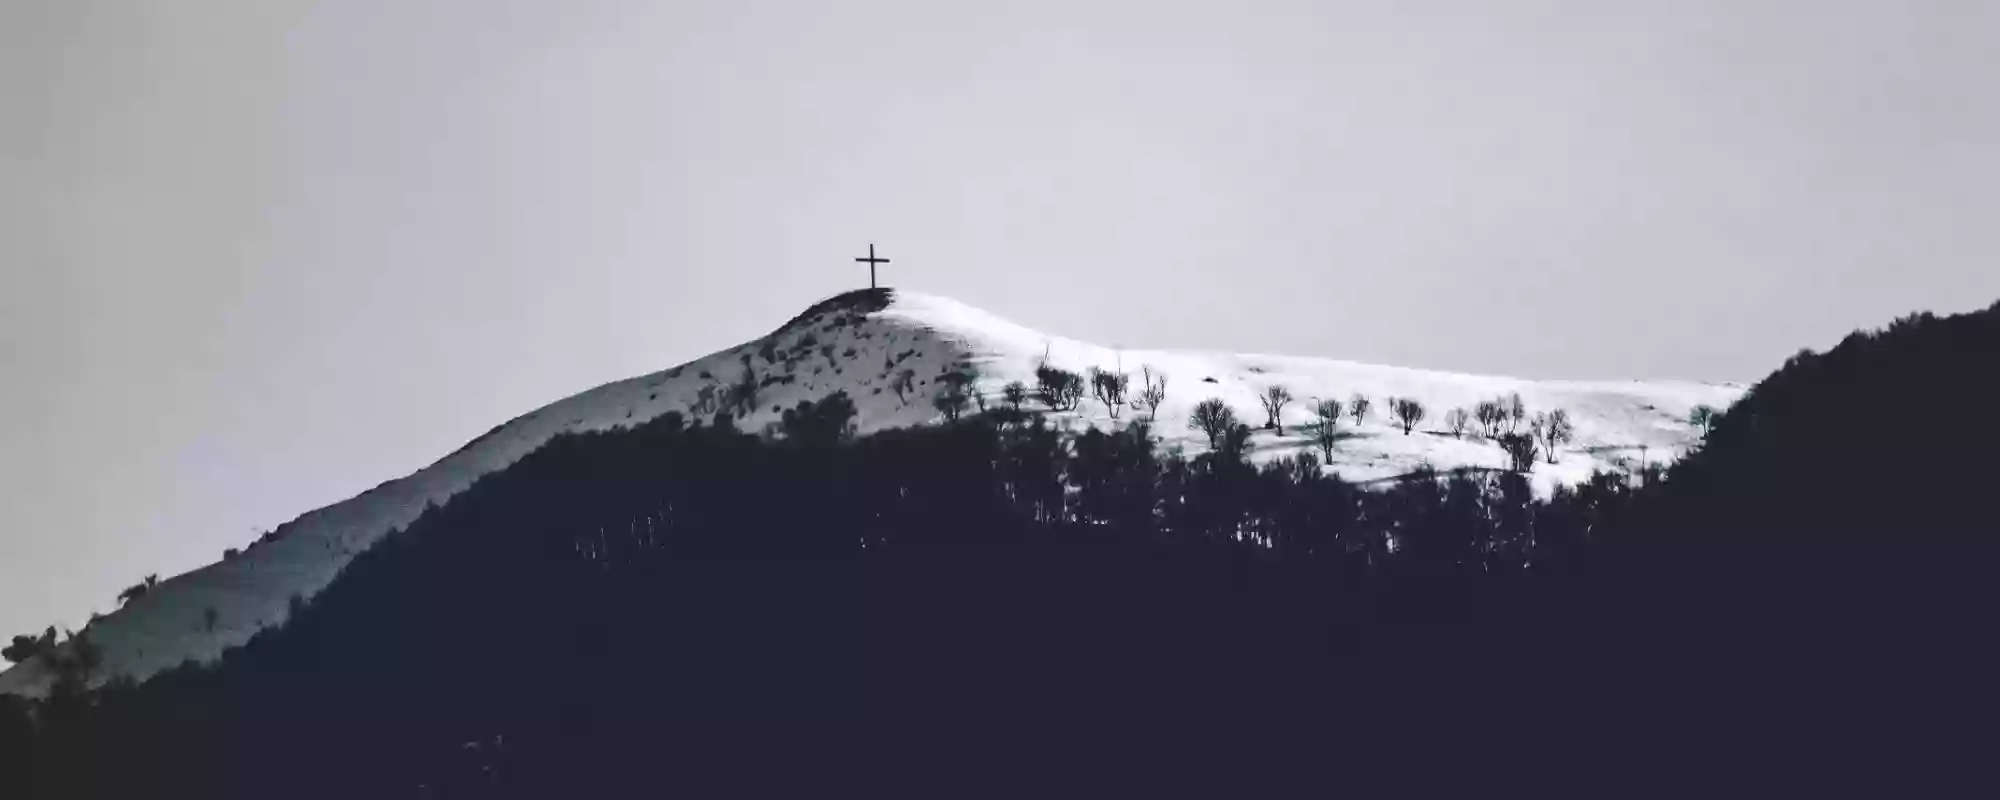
[825, 423]
[138, 590]
[950, 401]
[27, 647]
[1015, 393]
[960, 389]
[741, 398]
[1061, 389]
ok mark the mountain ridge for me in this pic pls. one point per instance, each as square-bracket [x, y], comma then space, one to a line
[836, 345]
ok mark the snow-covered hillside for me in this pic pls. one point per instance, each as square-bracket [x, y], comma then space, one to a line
[835, 346]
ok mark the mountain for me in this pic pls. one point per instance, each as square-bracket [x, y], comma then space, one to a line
[861, 343]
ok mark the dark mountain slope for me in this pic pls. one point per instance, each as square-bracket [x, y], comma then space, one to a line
[684, 608]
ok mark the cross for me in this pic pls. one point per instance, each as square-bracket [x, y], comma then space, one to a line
[872, 261]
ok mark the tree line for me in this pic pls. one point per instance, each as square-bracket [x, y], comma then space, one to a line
[683, 605]
[551, 573]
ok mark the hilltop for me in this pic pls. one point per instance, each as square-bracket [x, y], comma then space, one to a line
[890, 351]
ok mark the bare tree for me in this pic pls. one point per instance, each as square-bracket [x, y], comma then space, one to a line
[1358, 406]
[1703, 417]
[1152, 392]
[1109, 388]
[1408, 412]
[1456, 420]
[963, 386]
[1490, 415]
[1213, 418]
[1235, 442]
[1517, 412]
[1553, 430]
[1325, 427]
[950, 401]
[1015, 393]
[1520, 450]
[1274, 400]
[138, 590]
[1060, 388]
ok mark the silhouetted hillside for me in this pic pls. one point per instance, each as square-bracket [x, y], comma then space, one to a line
[1914, 402]
[1814, 582]
[683, 607]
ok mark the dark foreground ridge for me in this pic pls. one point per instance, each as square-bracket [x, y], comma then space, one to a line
[683, 607]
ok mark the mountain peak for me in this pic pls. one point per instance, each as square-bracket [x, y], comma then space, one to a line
[889, 350]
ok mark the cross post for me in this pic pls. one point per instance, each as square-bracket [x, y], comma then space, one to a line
[872, 261]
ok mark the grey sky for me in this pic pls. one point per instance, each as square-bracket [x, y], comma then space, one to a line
[258, 256]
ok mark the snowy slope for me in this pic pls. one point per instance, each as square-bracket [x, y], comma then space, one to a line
[829, 349]
[1616, 421]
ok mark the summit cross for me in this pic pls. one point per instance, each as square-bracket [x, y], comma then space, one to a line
[872, 261]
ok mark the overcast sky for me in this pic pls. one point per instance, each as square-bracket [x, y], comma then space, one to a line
[258, 256]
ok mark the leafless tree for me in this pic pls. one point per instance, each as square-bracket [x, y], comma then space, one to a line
[1274, 400]
[1109, 388]
[1517, 412]
[1490, 414]
[1456, 420]
[1553, 430]
[1703, 417]
[1325, 427]
[1152, 392]
[950, 400]
[963, 383]
[1213, 418]
[1520, 449]
[1358, 406]
[1408, 412]
[1060, 388]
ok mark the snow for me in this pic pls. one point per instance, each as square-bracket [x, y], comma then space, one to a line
[927, 335]
[1614, 419]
